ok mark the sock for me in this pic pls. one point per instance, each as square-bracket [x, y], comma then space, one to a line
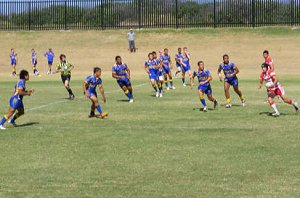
[228, 100]
[273, 105]
[183, 80]
[155, 88]
[70, 91]
[128, 94]
[242, 97]
[202, 100]
[92, 113]
[4, 119]
[171, 83]
[99, 109]
[160, 88]
[14, 118]
[166, 83]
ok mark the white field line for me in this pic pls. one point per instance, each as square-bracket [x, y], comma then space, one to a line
[63, 101]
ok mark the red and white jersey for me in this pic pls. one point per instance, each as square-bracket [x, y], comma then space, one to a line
[268, 77]
[269, 61]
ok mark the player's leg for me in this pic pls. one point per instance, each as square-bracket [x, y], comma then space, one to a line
[153, 84]
[227, 94]
[290, 102]
[20, 112]
[95, 102]
[160, 83]
[202, 100]
[67, 86]
[171, 80]
[10, 113]
[239, 93]
[166, 80]
[271, 97]
[178, 70]
[92, 113]
[126, 92]
[183, 78]
[190, 76]
[211, 98]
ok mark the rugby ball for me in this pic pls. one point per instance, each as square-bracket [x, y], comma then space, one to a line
[269, 85]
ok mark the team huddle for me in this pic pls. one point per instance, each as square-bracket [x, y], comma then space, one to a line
[159, 70]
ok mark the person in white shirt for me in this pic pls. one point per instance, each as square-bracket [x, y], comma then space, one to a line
[131, 40]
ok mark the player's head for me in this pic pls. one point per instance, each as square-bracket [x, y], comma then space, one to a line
[118, 60]
[62, 58]
[24, 75]
[32, 50]
[50, 49]
[226, 58]
[266, 54]
[185, 49]
[179, 50]
[166, 51]
[97, 71]
[12, 49]
[201, 65]
[150, 56]
[265, 67]
[154, 54]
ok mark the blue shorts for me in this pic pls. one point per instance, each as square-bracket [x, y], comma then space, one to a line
[13, 62]
[16, 103]
[153, 76]
[206, 89]
[166, 70]
[232, 81]
[124, 82]
[92, 93]
[50, 62]
[187, 68]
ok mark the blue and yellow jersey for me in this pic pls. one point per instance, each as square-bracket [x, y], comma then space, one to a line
[227, 69]
[120, 70]
[165, 59]
[202, 76]
[185, 59]
[151, 65]
[50, 56]
[92, 81]
[33, 56]
[178, 57]
[13, 56]
[20, 86]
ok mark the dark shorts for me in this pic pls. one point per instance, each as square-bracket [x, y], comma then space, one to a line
[50, 62]
[125, 82]
[65, 77]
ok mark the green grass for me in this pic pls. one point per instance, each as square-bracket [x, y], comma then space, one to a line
[154, 147]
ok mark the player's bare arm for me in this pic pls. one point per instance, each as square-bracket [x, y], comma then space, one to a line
[101, 89]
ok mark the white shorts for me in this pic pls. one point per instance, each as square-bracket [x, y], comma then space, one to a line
[161, 78]
[179, 68]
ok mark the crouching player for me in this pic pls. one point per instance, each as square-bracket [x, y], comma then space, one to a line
[230, 71]
[204, 78]
[89, 90]
[121, 72]
[16, 101]
[274, 89]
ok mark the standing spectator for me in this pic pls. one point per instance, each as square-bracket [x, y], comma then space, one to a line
[131, 40]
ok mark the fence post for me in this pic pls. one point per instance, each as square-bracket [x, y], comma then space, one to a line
[292, 13]
[253, 13]
[65, 20]
[29, 15]
[140, 13]
[176, 14]
[215, 17]
[102, 14]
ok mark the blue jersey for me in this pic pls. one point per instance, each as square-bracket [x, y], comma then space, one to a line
[165, 59]
[33, 57]
[92, 83]
[186, 60]
[178, 57]
[13, 56]
[20, 86]
[202, 76]
[151, 65]
[120, 70]
[227, 69]
[50, 56]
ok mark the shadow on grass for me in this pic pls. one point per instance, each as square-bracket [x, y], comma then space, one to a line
[281, 114]
[124, 100]
[28, 124]
[201, 109]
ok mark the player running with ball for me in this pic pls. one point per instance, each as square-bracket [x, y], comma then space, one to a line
[274, 89]
[204, 78]
[89, 89]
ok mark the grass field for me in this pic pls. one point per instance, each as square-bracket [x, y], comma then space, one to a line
[154, 147]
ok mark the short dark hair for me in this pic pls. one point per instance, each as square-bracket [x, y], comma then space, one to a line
[23, 73]
[200, 62]
[166, 49]
[185, 48]
[61, 56]
[96, 69]
[225, 55]
[150, 54]
[179, 48]
[266, 65]
[154, 52]
[266, 52]
[117, 57]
